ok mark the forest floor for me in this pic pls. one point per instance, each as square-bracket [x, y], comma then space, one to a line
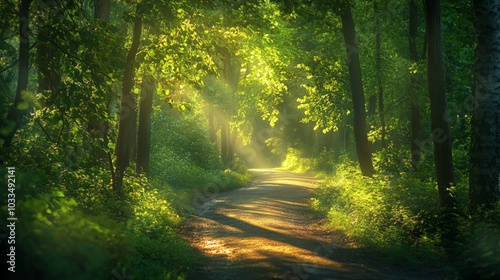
[267, 230]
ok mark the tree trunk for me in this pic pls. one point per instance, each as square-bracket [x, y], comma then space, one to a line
[358, 97]
[47, 58]
[102, 9]
[15, 114]
[211, 125]
[223, 141]
[416, 134]
[415, 124]
[484, 174]
[230, 150]
[424, 49]
[128, 114]
[439, 118]
[378, 69]
[144, 131]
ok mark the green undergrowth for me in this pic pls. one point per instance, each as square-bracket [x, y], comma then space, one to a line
[396, 214]
[71, 225]
[82, 234]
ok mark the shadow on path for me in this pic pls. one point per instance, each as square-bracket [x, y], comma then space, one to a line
[266, 231]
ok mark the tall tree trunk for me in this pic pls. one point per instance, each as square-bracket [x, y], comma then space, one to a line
[15, 114]
[424, 49]
[378, 67]
[102, 9]
[211, 125]
[128, 114]
[144, 131]
[439, 119]
[223, 141]
[415, 124]
[485, 125]
[416, 135]
[231, 77]
[230, 151]
[47, 56]
[358, 97]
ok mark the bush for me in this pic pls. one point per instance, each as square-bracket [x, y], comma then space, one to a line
[392, 214]
[296, 162]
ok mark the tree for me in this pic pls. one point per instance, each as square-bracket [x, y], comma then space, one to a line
[378, 69]
[20, 108]
[144, 131]
[416, 127]
[358, 97]
[128, 114]
[102, 9]
[485, 125]
[439, 119]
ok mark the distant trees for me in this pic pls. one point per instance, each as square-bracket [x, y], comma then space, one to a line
[484, 192]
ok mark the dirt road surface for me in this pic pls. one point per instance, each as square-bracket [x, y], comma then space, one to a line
[266, 230]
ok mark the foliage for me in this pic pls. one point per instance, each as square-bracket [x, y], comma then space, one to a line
[395, 215]
[276, 73]
[480, 250]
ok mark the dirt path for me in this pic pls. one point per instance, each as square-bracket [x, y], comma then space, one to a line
[266, 231]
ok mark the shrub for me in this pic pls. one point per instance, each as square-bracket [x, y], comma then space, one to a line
[392, 214]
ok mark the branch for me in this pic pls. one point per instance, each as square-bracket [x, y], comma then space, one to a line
[37, 121]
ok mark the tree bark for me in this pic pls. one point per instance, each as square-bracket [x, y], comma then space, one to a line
[211, 125]
[424, 48]
[415, 123]
[102, 9]
[230, 152]
[128, 114]
[358, 98]
[47, 57]
[144, 131]
[378, 69]
[223, 141]
[484, 174]
[439, 114]
[15, 115]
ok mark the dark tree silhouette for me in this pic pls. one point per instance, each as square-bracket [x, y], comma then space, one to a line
[439, 118]
[485, 149]
[358, 97]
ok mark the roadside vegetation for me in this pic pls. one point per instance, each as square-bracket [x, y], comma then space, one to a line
[71, 225]
[396, 214]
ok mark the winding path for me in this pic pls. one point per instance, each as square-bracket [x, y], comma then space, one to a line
[266, 231]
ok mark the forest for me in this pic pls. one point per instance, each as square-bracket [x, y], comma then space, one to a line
[119, 119]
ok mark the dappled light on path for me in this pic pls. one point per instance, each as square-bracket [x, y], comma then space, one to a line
[266, 231]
